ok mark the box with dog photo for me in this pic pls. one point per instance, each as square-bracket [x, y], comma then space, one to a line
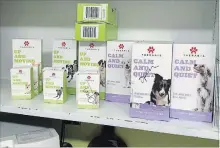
[55, 85]
[118, 71]
[151, 80]
[65, 56]
[193, 81]
[92, 56]
[87, 89]
[22, 86]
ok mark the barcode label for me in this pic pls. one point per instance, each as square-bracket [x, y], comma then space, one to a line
[89, 32]
[92, 13]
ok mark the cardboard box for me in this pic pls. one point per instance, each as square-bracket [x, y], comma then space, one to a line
[22, 83]
[92, 56]
[87, 89]
[118, 71]
[95, 32]
[151, 80]
[193, 81]
[55, 85]
[28, 51]
[91, 12]
[65, 57]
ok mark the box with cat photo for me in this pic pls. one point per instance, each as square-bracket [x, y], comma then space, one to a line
[22, 82]
[92, 56]
[65, 57]
[193, 82]
[87, 89]
[151, 80]
[55, 85]
[118, 71]
[28, 51]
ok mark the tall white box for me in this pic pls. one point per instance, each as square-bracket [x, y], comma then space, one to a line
[151, 80]
[65, 56]
[193, 81]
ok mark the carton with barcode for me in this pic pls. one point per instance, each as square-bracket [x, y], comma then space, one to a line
[28, 51]
[65, 57]
[118, 71]
[55, 85]
[91, 12]
[87, 89]
[92, 56]
[151, 80]
[22, 83]
[95, 32]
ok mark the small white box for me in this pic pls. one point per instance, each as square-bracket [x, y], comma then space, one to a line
[87, 89]
[193, 81]
[55, 85]
[92, 56]
[118, 71]
[28, 51]
[22, 83]
[151, 80]
[65, 56]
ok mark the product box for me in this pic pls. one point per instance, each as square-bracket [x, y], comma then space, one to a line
[87, 89]
[95, 32]
[92, 56]
[22, 83]
[96, 13]
[55, 85]
[65, 57]
[151, 80]
[28, 51]
[193, 81]
[118, 71]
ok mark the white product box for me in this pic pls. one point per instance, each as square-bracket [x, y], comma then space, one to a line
[118, 71]
[28, 51]
[55, 85]
[22, 83]
[8, 142]
[193, 81]
[151, 80]
[65, 56]
[87, 89]
[92, 56]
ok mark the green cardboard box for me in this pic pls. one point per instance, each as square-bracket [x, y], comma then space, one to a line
[91, 12]
[96, 32]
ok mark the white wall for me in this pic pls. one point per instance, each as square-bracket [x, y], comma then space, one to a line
[166, 20]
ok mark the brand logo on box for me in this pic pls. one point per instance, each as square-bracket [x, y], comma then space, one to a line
[121, 46]
[53, 74]
[151, 51]
[26, 43]
[193, 52]
[63, 44]
[89, 77]
[20, 71]
[91, 45]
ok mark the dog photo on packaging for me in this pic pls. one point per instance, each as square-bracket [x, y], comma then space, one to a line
[118, 71]
[193, 81]
[151, 80]
[92, 57]
[65, 57]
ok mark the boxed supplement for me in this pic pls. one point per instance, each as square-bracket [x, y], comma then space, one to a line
[22, 83]
[118, 71]
[96, 13]
[193, 81]
[92, 56]
[28, 51]
[95, 32]
[65, 57]
[87, 89]
[151, 80]
[55, 85]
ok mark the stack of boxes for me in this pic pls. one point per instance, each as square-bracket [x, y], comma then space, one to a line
[96, 24]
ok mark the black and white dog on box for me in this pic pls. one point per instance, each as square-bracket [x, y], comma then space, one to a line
[71, 69]
[204, 100]
[160, 91]
[102, 67]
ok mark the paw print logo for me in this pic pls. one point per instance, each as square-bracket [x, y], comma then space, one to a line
[20, 71]
[63, 44]
[91, 45]
[53, 74]
[26, 43]
[151, 49]
[121, 46]
[89, 77]
[193, 50]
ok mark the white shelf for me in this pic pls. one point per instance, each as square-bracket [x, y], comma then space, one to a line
[113, 114]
